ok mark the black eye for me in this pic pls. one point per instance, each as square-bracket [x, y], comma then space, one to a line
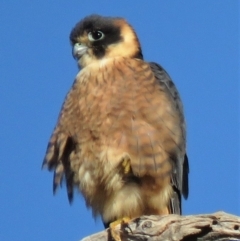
[95, 35]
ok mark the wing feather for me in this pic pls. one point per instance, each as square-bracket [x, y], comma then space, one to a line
[180, 170]
[61, 147]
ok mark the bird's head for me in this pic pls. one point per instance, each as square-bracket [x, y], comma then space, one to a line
[96, 38]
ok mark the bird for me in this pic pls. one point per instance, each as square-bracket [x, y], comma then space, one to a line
[120, 138]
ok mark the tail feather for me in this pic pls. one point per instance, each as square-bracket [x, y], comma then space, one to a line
[175, 206]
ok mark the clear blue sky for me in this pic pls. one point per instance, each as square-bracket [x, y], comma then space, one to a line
[197, 42]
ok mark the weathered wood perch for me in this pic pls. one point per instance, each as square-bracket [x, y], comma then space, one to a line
[217, 226]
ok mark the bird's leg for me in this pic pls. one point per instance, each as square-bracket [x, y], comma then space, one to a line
[115, 232]
[126, 165]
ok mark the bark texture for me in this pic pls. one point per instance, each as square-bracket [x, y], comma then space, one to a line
[219, 226]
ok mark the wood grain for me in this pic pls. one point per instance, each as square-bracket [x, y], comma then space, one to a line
[217, 226]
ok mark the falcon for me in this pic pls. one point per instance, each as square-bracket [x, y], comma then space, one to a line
[120, 137]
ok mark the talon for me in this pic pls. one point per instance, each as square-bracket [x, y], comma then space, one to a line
[123, 220]
[115, 232]
[126, 165]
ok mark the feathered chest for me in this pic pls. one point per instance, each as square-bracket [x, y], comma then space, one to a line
[118, 92]
[121, 104]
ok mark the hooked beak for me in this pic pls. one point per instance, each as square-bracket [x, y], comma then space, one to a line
[79, 50]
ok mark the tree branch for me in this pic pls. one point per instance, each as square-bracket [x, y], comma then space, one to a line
[217, 226]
